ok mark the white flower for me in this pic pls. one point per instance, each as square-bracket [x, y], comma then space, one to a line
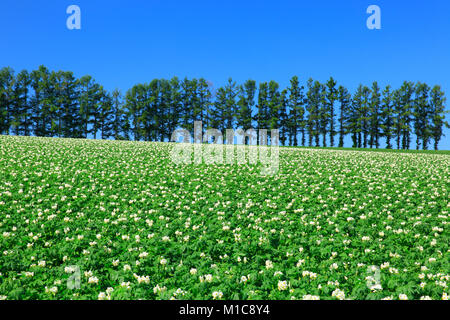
[282, 285]
[208, 278]
[310, 297]
[158, 289]
[143, 254]
[338, 294]
[102, 296]
[384, 265]
[142, 279]
[52, 290]
[376, 287]
[69, 269]
[193, 271]
[217, 295]
[269, 264]
[93, 280]
[163, 261]
[403, 296]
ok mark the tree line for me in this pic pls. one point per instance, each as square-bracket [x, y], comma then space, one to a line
[57, 104]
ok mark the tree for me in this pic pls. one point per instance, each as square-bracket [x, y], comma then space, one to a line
[421, 115]
[230, 104]
[324, 114]
[374, 122]
[173, 118]
[263, 112]
[120, 120]
[274, 105]
[406, 103]
[355, 117]
[135, 100]
[438, 112]
[164, 109]
[189, 106]
[387, 114]
[398, 118]
[344, 98]
[296, 102]
[152, 111]
[70, 120]
[90, 95]
[313, 96]
[218, 113]
[21, 109]
[204, 101]
[41, 101]
[106, 115]
[331, 97]
[246, 101]
[284, 117]
[364, 115]
[6, 98]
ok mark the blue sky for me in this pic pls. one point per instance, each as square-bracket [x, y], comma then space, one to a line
[122, 43]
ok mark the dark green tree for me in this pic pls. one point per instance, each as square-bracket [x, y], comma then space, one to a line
[313, 101]
[262, 117]
[7, 80]
[246, 101]
[405, 113]
[387, 114]
[21, 113]
[296, 105]
[344, 98]
[437, 101]
[421, 115]
[374, 114]
[331, 97]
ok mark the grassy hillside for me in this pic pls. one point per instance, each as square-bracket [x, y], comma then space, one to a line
[120, 220]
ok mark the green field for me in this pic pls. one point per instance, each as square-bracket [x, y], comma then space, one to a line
[331, 224]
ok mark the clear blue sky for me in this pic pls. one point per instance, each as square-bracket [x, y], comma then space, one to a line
[122, 43]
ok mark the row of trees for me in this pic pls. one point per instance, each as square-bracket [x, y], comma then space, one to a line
[57, 104]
